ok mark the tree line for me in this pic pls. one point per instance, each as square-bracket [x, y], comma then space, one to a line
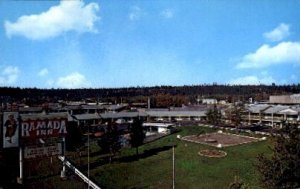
[160, 95]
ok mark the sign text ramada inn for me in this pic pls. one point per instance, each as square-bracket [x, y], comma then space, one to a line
[31, 127]
[43, 126]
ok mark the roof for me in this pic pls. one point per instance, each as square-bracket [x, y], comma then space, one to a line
[110, 115]
[92, 107]
[191, 108]
[114, 106]
[176, 113]
[158, 109]
[158, 124]
[256, 108]
[30, 109]
[71, 107]
[275, 109]
[290, 111]
[44, 116]
[87, 116]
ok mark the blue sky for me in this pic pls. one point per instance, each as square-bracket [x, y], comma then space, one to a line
[115, 43]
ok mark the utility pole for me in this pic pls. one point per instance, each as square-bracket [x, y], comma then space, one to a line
[173, 150]
[149, 103]
[88, 156]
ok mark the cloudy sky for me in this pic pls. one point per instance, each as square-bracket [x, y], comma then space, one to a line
[115, 43]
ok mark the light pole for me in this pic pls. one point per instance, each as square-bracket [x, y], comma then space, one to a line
[173, 150]
[88, 156]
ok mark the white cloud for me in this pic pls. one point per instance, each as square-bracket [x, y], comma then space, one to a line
[43, 72]
[167, 13]
[135, 13]
[293, 77]
[50, 82]
[279, 33]
[67, 16]
[73, 80]
[282, 53]
[252, 80]
[9, 75]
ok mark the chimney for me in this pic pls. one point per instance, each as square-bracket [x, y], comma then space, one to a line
[148, 103]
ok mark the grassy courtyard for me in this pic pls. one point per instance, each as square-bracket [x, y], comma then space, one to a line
[154, 167]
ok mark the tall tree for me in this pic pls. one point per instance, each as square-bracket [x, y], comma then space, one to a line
[137, 134]
[110, 141]
[282, 169]
[74, 138]
[214, 115]
[235, 114]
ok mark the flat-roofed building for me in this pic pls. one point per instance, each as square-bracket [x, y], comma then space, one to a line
[128, 116]
[162, 115]
[153, 128]
[84, 119]
[271, 115]
[285, 99]
[209, 101]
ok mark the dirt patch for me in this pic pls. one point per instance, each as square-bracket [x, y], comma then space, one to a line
[220, 139]
[212, 153]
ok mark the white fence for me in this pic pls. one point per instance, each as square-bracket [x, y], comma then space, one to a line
[80, 174]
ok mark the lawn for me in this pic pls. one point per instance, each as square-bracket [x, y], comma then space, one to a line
[154, 167]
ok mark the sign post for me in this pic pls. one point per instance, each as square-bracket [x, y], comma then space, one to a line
[38, 133]
[20, 178]
[63, 171]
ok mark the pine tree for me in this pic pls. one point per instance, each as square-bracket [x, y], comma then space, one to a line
[137, 134]
[282, 169]
[110, 141]
[214, 116]
[235, 114]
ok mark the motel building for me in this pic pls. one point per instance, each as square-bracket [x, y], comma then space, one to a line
[279, 109]
[166, 115]
[271, 115]
[158, 128]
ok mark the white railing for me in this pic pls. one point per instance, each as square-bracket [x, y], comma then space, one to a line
[80, 174]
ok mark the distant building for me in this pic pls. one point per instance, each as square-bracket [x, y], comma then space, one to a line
[223, 102]
[285, 99]
[271, 115]
[177, 115]
[153, 128]
[209, 101]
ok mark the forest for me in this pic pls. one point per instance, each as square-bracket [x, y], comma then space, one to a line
[160, 96]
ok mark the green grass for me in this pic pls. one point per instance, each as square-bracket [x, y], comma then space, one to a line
[47, 175]
[154, 169]
[192, 170]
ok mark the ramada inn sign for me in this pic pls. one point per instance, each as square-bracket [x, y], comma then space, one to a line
[32, 126]
[43, 128]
